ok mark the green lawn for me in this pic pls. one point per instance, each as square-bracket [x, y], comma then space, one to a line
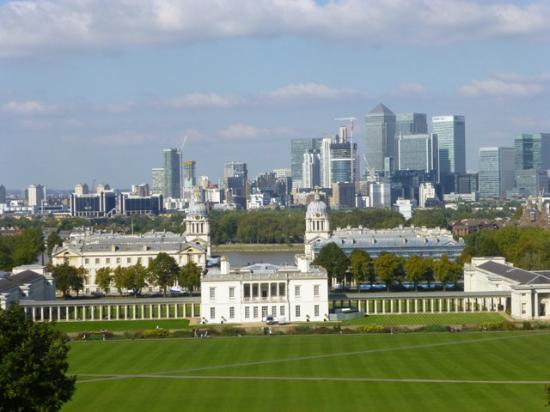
[316, 373]
[427, 319]
[121, 325]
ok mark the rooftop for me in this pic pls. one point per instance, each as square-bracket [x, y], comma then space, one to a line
[521, 276]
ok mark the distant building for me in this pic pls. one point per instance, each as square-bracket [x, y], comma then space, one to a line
[311, 169]
[297, 149]
[236, 183]
[418, 152]
[536, 213]
[141, 190]
[132, 204]
[380, 195]
[172, 173]
[157, 174]
[189, 174]
[465, 183]
[426, 192]
[451, 137]
[252, 293]
[404, 207]
[532, 163]
[81, 189]
[380, 139]
[343, 195]
[343, 159]
[99, 204]
[411, 123]
[2, 194]
[496, 171]
[36, 194]
[466, 227]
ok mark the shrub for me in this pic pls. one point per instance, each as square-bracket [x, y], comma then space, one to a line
[302, 330]
[182, 334]
[156, 333]
[231, 331]
[436, 328]
[372, 329]
[323, 330]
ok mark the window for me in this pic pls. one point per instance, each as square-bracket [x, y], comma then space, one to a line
[282, 289]
[316, 311]
[297, 291]
[297, 311]
[117, 260]
[524, 308]
[273, 287]
[231, 312]
[246, 290]
[231, 292]
[282, 311]
[264, 288]
[247, 312]
[212, 313]
[255, 311]
[128, 260]
[86, 261]
[108, 261]
[139, 260]
[264, 311]
[255, 290]
[97, 261]
[212, 293]
[274, 311]
[316, 291]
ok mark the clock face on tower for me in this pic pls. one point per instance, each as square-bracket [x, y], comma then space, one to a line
[318, 214]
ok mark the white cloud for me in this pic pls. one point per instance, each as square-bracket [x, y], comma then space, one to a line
[507, 85]
[244, 131]
[309, 91]
[202, 100]
[26, 107]
[40, 25]
[409, 90]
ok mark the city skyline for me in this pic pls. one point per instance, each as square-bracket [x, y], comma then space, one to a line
[106, 98]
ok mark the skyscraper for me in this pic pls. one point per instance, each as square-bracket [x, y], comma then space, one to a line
[451, 137]
[417, 152]
[411, 123]
[35, 195]
[532, 162]
[325, 162]
[172, 175]
[236, 183]
[2, 194]
[297, 149]
[157, 174]
[311, 169]
[496, 171]
[189, 174]
[380, 142]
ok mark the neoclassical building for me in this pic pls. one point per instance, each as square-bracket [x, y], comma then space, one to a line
[403, 241]
[94, 250]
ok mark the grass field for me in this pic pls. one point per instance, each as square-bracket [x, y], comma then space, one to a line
[428, 319]
[473, 371]
[121, 325]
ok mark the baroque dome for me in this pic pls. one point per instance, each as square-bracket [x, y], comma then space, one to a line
[197, 209]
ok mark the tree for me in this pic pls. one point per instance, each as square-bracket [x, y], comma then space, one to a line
[447, 271]
[33, 364]
[190, 276]
[103, 278]
[334, 260]
[52, 241]
[120, 276]
[417, 269]
[389, 268]
[68, 277]
[362, 266]
[163, 271]
[136, 278]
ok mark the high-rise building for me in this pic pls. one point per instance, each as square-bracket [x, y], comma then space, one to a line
[380, 194]
[157, 174]
[311, 169]
[236, 183]
[326, 180]
[380, 143]
[35, 195]
[451, 138]
[140, 190]
[426, 191]
[343, 159]
[532, 163]
[343, 195]
[411, 123]
[282, 173]
[496, 171]
[2, 194]
[417, 152]
[172, 173]
[189, 174]
[81, 189]
[297, 149]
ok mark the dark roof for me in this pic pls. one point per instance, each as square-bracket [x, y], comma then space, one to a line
[381, 109]
[19, 279]
[521, 276]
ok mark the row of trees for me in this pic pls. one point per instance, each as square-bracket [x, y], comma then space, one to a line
[387, 268]
[163, 271]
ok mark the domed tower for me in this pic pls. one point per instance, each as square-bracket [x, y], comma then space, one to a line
[317, 224]
[197, 226]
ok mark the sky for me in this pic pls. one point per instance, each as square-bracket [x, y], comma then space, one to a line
[95, 89]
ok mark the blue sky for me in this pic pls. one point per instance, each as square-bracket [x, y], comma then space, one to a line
[95, 89]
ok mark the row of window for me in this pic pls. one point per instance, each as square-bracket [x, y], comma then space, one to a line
[265, 309]
[265, 290]
[129, 260]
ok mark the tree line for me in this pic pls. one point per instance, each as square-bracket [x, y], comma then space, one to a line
[162, 271]
[387, 268]
[21, 249]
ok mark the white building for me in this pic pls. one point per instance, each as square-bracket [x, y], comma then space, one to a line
[28, 282]
[380, 195]
[35, 195]
[249, 294]
[426, 191]
[529, 290]
[404, 207]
